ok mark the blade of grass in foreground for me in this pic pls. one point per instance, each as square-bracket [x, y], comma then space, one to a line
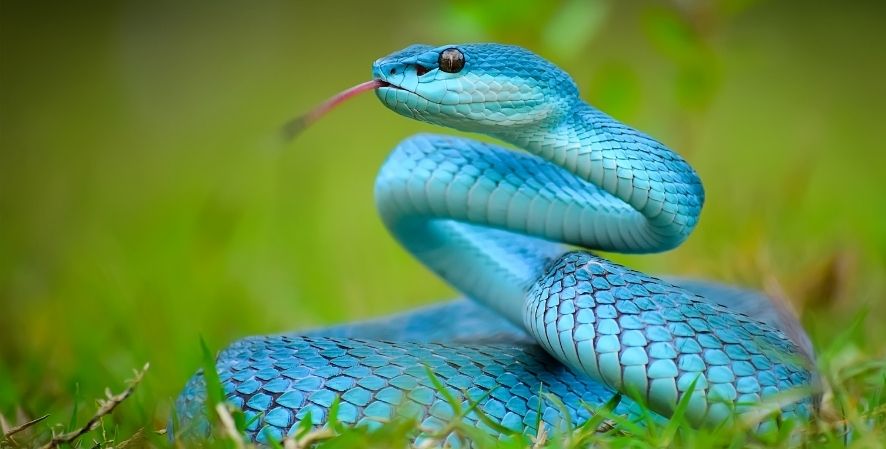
[215, 394]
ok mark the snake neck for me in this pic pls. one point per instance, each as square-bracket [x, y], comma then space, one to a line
[484, 218]
[629, 166]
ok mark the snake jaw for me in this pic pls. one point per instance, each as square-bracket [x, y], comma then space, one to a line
[396, 87]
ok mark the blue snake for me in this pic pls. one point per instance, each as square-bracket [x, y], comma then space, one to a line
[543, 320]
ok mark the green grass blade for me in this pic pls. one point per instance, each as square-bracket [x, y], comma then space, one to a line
[215, 394]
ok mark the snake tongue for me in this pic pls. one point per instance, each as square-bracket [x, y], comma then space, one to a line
[297, 125]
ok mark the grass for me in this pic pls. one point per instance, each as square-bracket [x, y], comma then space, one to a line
[852, 414]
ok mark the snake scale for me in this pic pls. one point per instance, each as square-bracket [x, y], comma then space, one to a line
[543, 320]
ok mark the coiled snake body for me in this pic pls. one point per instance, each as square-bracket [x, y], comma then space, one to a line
[492, 222]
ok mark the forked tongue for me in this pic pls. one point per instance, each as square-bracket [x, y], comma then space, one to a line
[299, 124]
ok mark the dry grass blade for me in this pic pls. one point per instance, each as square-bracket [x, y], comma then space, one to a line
[314, 437]
[541, 437]
[8, 432]
[606, 426]
[228, 425]
[136, 440]
[308, 440]
[106, 406]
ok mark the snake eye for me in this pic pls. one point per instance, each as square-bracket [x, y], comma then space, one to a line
[452, 60]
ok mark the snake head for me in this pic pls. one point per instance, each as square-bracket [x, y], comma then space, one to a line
[474, 87]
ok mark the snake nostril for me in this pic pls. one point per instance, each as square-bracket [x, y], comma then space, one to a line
[393, 71]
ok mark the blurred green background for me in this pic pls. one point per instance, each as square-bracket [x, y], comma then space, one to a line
[144, 203]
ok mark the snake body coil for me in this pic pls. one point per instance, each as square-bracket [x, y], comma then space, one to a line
[491, 222]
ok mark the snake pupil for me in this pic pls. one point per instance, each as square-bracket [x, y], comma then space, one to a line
[452, 60]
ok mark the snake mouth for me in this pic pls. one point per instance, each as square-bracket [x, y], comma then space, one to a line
[382, 83]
